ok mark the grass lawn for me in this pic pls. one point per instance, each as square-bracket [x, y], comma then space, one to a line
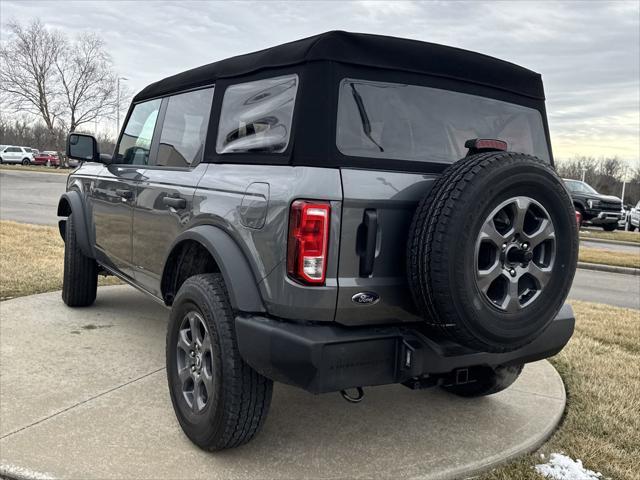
[609, 257]
[600, 366]
[31, 260]
[36, 168]
[601, 371]
[615, 235]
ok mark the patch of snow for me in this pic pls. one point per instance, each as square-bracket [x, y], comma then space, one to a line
[561, 467]
[15, 471]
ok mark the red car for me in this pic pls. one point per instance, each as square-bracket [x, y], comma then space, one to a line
[46, 158]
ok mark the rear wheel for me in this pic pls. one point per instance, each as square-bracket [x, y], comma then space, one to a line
[492, 251]
[486, 381]
[80, 280]
[219, 400]
[610, 227]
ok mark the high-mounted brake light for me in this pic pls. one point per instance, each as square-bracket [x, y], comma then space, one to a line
[308, 241]
[476, 145]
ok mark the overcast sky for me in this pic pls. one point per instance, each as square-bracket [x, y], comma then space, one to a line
[587, 52]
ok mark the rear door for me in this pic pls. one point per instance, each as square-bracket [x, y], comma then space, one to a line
[164, 204]
[12, 155]
[116, 188]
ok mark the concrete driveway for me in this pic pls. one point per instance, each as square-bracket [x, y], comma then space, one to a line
[84, 395]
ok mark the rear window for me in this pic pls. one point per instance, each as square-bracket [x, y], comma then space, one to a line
[257, 116]
[409, 122]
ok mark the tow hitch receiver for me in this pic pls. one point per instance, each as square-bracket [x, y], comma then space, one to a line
[350, 399]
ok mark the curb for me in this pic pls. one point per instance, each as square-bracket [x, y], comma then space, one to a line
[609, 268]
[614, 242]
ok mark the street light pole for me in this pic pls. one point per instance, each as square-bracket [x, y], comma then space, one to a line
[624, 183]
[584, 171]
[118, 104]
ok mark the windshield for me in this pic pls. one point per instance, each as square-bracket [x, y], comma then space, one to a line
[577, 186]
[409, 122]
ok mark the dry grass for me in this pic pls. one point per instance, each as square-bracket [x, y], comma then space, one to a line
[31, 260]
[615, 235]
[36, 168]
[601, 371]
[609, 257]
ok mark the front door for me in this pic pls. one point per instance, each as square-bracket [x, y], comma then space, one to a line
[164, 205]
[116, 188]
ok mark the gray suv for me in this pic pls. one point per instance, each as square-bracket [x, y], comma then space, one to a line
[343, 211]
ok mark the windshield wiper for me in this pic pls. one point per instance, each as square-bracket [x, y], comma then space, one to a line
[364, 118]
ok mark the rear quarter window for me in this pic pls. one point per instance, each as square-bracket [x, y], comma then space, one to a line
[257, 116]
[423, 124]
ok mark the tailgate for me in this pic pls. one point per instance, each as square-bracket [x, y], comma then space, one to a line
[377, 210]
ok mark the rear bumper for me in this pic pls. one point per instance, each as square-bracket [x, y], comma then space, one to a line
[329, 358]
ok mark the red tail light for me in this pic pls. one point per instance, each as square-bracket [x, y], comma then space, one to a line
[308, 239]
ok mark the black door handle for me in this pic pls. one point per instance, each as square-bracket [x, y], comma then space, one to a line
[124, 193]
[176, 202]
[368, 240]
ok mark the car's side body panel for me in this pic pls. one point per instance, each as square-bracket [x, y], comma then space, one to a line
[113, 196]
[222, 197]
[157, 223]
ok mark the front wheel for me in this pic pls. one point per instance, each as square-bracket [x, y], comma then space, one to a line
[486, 381]
[610, 227]
[25, 161]
[219, 400]
[80, 280]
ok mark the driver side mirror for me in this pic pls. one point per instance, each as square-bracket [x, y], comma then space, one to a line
[83, 147]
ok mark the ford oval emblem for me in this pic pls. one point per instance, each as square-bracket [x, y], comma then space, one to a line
[365, 298]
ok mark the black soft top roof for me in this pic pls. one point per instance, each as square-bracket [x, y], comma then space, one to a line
[366, 50]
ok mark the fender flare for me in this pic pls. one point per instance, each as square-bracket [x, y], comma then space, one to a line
[578, 202]
[236, 271]
[71, 202]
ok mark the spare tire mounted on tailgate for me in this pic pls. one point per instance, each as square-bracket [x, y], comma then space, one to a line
[492, 250]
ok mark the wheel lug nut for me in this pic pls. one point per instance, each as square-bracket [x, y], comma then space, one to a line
[193, 368]
[512, 272]
[504, 246]
[525, 245]
[192, 353]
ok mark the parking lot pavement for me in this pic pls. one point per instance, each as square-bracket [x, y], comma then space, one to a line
[614, 247]
[30, 197]
[614, 289]
[84, 395]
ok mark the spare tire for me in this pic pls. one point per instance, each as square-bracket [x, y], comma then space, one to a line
[492, 250]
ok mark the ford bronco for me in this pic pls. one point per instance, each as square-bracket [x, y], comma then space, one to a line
[338, 212]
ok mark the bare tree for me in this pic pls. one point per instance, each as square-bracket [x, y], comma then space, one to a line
[87, 79]
[66, 83]
[28, 76]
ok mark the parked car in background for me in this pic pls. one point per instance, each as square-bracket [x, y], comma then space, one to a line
[48, 157]
[13, 154]
[599, 210]
[633, 218]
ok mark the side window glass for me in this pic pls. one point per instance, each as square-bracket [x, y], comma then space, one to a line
[184, 129]
[136, 139]
[257, 116]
